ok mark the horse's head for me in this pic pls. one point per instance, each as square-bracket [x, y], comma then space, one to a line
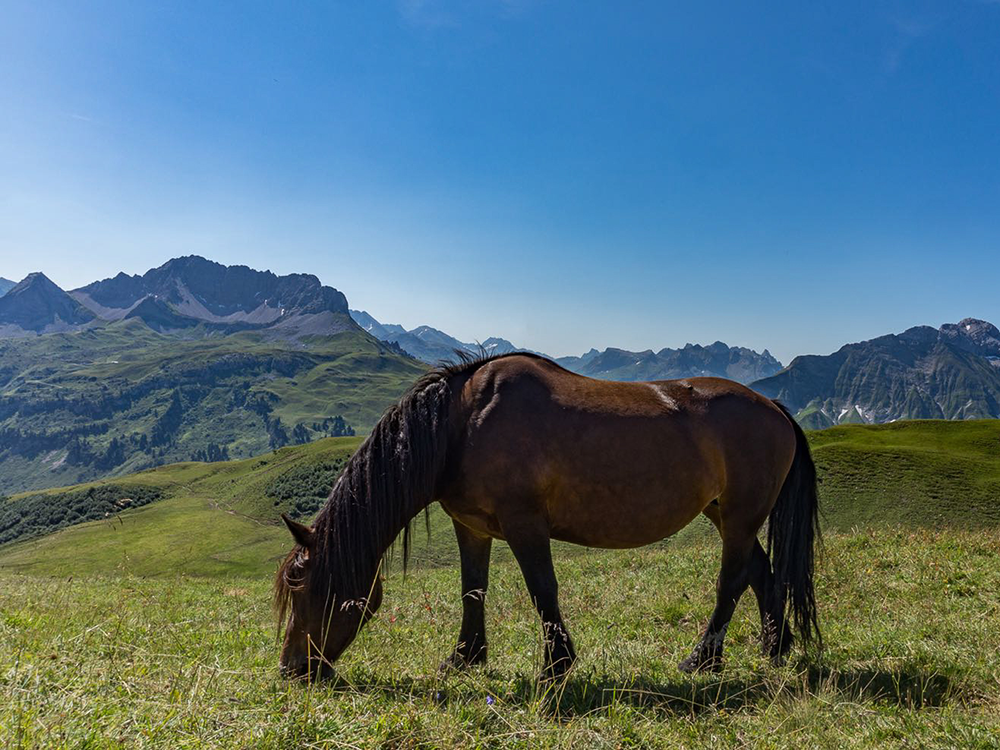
[322, 621]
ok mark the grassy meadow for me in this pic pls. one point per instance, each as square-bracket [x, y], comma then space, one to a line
[154, 629]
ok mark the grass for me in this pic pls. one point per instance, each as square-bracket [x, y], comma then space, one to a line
[911, 631]
[930, 473]
[166, 639]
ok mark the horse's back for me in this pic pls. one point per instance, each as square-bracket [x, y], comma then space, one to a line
[608, 463]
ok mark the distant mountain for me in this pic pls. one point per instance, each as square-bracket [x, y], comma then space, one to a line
[575, 363]
[718, 359]
[36, 305]
[190, 361]
[190, 296]
[428, 344]
[923, 373]
[6, 285]
[185, 291]
[381, 331]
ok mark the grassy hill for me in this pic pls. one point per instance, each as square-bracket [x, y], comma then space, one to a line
[929, 473]
[215, 519]
[155, 628]
[122, 398]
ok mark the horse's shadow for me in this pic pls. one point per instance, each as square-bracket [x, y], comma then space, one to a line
[910, 688]
[581, 693]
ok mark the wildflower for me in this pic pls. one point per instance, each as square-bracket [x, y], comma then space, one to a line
[490, 700]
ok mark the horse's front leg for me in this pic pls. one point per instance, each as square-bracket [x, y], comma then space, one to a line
[474, 552]
[530, 545]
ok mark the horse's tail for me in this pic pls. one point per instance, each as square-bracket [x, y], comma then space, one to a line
[792, 531]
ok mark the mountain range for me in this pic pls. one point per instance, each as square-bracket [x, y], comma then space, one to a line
[182, 294]
[195, 360]
[693, 360]
[189, 361]
[429, 344]
[951, 372]
[738, 363]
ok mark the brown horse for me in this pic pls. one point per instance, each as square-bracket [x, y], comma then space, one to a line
[519, 449]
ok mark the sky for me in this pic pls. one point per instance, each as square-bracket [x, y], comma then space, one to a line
[566, 175]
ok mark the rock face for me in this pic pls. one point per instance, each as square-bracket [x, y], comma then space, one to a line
[718, 360]
[36, 305]
[196, 288]
[6, 285]
[923, 373]
[976, 336]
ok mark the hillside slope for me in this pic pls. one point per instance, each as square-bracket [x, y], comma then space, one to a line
[123, 397]
[222, 518]
[215, 518]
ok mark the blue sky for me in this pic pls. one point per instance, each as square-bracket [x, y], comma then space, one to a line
[564, 174]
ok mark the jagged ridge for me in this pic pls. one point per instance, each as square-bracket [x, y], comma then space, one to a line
[923, 373]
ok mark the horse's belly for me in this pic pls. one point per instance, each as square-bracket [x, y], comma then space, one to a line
[600, 480]
[621, 519]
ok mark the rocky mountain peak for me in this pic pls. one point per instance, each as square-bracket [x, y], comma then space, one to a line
[971, 334]
[37, 305]
[205, 290]
[922, 373]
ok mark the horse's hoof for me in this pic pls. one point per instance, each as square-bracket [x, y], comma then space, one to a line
[458, 662]
[556, 671]
[695, 663]
[776, 650]
[688, 665]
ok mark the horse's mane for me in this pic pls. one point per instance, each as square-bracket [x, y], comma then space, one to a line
[387, 482]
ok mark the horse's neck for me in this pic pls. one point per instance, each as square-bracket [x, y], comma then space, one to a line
[395, 473]
[365, 531]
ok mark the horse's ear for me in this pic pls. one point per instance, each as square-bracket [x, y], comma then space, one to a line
[302, 533]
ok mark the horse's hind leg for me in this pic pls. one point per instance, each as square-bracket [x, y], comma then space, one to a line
[732, 582]
[533, 551]
[775, 635]
[739, 517]
[474, 551]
